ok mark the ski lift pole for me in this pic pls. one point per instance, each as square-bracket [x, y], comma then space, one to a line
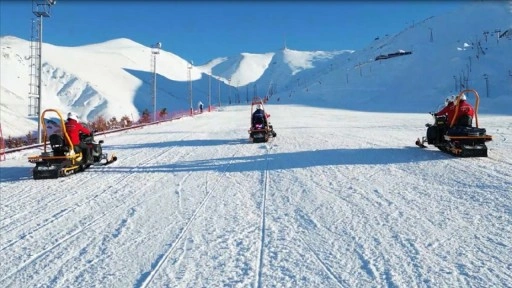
[269, 91]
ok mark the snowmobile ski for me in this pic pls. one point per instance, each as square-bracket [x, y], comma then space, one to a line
[420, 144]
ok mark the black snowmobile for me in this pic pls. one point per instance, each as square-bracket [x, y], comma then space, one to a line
[261, 130]
[459, 139]
[64, 159]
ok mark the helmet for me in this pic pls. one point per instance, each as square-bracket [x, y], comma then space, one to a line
[450, 99]
[72, 115]
[463, 97]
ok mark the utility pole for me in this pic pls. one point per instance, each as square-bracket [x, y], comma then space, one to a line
[237, 91]
[155, 50]
[40, 8]
[209, 92]
[466, 78]
[486, 77]
[497, 31]
[189, 66]
[229, 87]
[219, 94]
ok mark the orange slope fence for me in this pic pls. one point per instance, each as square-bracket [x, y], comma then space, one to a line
[2, 145]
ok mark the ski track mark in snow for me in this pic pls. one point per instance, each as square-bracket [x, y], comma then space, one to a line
[145, 279]
[51, 202]
[266, 181]
[495, 158]
[68, 210]
[180, 188]
[59, 242]
[80, 230]
[326, 267]
[55, 217]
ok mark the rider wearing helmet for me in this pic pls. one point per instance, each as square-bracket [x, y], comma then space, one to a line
[465, 111]
[258, 116]
[449, 109]
[74, 128]
[449, 100]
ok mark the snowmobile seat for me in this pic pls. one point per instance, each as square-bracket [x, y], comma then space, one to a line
[258, 120]
[466, 131]
[58, 144]
[465, 121]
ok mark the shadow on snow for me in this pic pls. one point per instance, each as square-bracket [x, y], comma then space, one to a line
[276, 161]
[293, 160]
[176, 143]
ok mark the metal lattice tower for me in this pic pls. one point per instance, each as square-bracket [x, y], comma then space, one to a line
[35, 64]
[40, 8]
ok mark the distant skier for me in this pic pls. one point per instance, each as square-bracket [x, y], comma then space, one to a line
[200, 104]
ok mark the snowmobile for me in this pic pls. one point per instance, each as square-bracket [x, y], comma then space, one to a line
[260, 130]
[459, 139]
[65, 159]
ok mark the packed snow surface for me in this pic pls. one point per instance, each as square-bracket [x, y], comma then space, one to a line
[338, 199]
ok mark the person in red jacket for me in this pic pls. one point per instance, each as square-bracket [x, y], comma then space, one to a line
[448, 110]
[74, 128]
[465, 110]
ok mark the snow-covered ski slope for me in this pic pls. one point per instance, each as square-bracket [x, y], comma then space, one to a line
[338, 199]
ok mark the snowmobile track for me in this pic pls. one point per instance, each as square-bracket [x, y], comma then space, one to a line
[266, 181]
[68, 210]
[147, 277]
[77, 232]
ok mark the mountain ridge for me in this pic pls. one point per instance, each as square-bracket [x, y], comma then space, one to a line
[114, 78]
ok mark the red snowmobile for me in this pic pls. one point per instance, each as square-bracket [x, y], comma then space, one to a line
[460, 139]
[261, 130]
[65, 159]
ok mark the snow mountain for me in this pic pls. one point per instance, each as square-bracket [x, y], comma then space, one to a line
[436, 57]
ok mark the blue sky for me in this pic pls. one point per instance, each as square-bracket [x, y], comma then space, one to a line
[200, 31]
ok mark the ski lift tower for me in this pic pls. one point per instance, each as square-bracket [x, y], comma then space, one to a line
[209, 92]
[189, 66]
[40, 8]
[155, 50]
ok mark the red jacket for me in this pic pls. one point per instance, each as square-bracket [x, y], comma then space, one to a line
[448, 110]
[464, 109]
[74, 128]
